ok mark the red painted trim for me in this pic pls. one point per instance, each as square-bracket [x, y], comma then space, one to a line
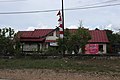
[60, 26]
[61, 32]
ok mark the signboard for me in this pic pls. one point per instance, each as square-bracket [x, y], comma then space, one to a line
[53, 44]
[92, 49]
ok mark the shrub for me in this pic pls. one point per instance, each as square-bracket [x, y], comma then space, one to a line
[52, 51]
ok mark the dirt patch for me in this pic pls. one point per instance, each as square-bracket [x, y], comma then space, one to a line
[44, 74]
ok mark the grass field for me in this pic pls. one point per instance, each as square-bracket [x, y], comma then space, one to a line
[90, 65]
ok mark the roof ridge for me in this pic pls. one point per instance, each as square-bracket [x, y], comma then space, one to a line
[43, 29]
[25, 31]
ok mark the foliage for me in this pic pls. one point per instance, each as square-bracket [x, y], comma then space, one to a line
[7, 32]
[74, 40]
[114, 39]
[79, 39]
[90, 65]
[18, 50]
[51, 51]
[6, 43]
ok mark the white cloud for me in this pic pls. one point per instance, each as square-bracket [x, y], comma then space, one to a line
[39, 26]
[109, 27]
[30, 28]
[72, 27]
[42, 26]
[115, 27]
[76, 27]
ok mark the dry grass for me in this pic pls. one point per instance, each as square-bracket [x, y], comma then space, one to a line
[44, 74]
[60, 69]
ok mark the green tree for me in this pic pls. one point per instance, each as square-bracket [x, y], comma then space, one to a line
[79, 39]
[64, 44]
[6, 42]
[114, 39]
[74, 40]
[11, 32]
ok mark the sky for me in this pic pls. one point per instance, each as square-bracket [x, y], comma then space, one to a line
[101, 17]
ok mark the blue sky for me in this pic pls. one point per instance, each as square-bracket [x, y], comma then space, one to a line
[107, 17]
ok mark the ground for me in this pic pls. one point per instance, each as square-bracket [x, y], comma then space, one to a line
[60, 69]
[47, 74]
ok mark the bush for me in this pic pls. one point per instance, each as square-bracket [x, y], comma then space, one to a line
[52, 51]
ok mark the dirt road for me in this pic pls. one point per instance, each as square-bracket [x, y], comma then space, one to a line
[43, 74]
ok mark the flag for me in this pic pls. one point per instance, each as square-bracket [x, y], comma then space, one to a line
[60, 19]
[60, 25]
[58, 13]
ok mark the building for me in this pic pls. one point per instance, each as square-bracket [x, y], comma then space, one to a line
[98, 43]
[40, 39]
[36, 40]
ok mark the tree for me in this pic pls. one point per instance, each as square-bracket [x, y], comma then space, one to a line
[114, 39]
[64, 44]
[6, 43]
[74, 40]
[7, 32]
[79, 39]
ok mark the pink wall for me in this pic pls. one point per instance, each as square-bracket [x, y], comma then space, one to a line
[91, 49]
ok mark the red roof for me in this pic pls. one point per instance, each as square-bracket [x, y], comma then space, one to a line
[98, 36]
[39, 35]
[41, 32]
[36, 35]
[26, 34]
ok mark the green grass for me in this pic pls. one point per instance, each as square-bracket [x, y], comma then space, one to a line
[64, 64]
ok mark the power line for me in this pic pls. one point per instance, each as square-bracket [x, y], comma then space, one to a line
[91, 7]
[68, 9]
[12, 0]
[98, 3]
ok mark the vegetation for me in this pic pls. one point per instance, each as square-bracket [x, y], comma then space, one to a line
[74, 41]
[51, 51]
[89, 65]
[7, 32]
[6, 43]
[114, 39]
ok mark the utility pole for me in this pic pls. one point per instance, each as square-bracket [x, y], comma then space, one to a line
[63, 23]
[63, 16]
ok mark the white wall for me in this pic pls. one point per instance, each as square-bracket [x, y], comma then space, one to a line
[104, 48]
[30, 47]
[54, 37]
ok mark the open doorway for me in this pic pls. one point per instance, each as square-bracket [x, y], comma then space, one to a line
[101, 48]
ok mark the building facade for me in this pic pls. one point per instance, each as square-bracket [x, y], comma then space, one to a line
[40, 39]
